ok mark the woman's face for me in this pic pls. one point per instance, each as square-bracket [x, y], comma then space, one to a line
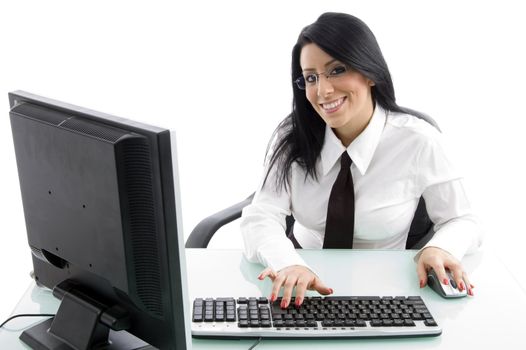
[343, 100]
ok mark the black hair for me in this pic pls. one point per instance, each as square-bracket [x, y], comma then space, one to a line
[299, 137]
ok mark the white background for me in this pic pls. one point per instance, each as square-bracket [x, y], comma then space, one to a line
[218, 73]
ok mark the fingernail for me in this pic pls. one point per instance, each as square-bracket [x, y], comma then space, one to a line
[470, 292]
[331, 291]
[298, 302]
[446, 281]
[272, 297]
[421, 283]
[461, 286]
[283, 304]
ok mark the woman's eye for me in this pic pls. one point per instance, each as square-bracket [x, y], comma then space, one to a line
[310, 78]
[338, 70]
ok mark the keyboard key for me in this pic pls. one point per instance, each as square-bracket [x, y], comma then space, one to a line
[278, 323]
[327, 323]
[311, 323]
[265, 323]
[289, 323]
[430, 322]
[409, 323]
[360, 323]
[376, 323]
[387, 323]
[416, 316]
[300, 323]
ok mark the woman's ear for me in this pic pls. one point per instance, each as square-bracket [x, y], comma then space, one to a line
[371, 83]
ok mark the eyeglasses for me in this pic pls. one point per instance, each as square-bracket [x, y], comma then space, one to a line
[308, 80]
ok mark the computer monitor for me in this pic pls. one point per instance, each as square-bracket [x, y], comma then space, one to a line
[103, 221]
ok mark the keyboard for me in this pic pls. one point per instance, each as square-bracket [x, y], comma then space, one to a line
[317, 317]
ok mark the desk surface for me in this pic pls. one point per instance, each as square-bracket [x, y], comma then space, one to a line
[493, 318]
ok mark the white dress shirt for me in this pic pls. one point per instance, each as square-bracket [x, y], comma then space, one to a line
[397, 159]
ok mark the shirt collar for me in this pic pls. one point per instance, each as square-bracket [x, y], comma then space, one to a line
[361, 150]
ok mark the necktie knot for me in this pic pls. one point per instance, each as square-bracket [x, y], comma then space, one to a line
[346, 161]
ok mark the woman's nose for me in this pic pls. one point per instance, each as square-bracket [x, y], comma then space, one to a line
[324, 87]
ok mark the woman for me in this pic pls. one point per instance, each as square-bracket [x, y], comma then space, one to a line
[344, 107]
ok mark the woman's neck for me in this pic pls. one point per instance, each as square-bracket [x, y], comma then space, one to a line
[348, 134]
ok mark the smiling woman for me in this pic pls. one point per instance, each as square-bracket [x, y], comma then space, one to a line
[351, 166]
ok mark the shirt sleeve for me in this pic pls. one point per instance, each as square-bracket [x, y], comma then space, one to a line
[263, 225]
[456, 227]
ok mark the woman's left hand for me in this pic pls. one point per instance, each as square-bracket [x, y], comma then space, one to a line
[440, 260]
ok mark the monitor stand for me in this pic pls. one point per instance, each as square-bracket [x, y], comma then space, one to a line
[38, 338]
[82, 322]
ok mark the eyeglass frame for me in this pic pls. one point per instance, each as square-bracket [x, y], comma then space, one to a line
[302, 84]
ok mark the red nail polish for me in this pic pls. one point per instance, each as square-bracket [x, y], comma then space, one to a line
[446, 281]
[421, 283]
[273, 298]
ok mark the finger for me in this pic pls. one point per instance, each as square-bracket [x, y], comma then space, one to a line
[458, 273]
[301, 288]
[268, 272]
[469, 286]
[421, 273]
[320, 287]
[276, 286]
[287, 290]
[441, 274]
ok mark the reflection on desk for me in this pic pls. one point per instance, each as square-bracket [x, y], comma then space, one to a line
[493, 318]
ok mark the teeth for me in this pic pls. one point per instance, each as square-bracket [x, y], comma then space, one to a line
[332, 105]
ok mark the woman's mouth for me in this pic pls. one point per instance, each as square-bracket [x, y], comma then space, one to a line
[333, 106]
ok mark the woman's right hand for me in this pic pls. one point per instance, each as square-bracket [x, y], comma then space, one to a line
[293, 276]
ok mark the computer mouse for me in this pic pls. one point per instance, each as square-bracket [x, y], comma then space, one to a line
[449, 290]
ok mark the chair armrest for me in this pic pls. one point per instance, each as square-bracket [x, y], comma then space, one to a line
[205, 230]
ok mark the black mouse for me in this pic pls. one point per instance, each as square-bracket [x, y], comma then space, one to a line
[449, 290]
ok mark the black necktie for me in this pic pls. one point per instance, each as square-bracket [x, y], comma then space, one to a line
[339, 227]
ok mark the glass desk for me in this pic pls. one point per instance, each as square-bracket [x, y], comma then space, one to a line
[494, 318]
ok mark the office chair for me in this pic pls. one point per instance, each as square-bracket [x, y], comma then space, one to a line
[420, 231]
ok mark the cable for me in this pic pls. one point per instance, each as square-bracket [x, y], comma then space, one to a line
[255, 344]
[25, 315]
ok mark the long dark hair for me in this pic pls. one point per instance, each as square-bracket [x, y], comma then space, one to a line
[299, 137]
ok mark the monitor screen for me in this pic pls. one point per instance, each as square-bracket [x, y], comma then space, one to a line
[102, 216]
